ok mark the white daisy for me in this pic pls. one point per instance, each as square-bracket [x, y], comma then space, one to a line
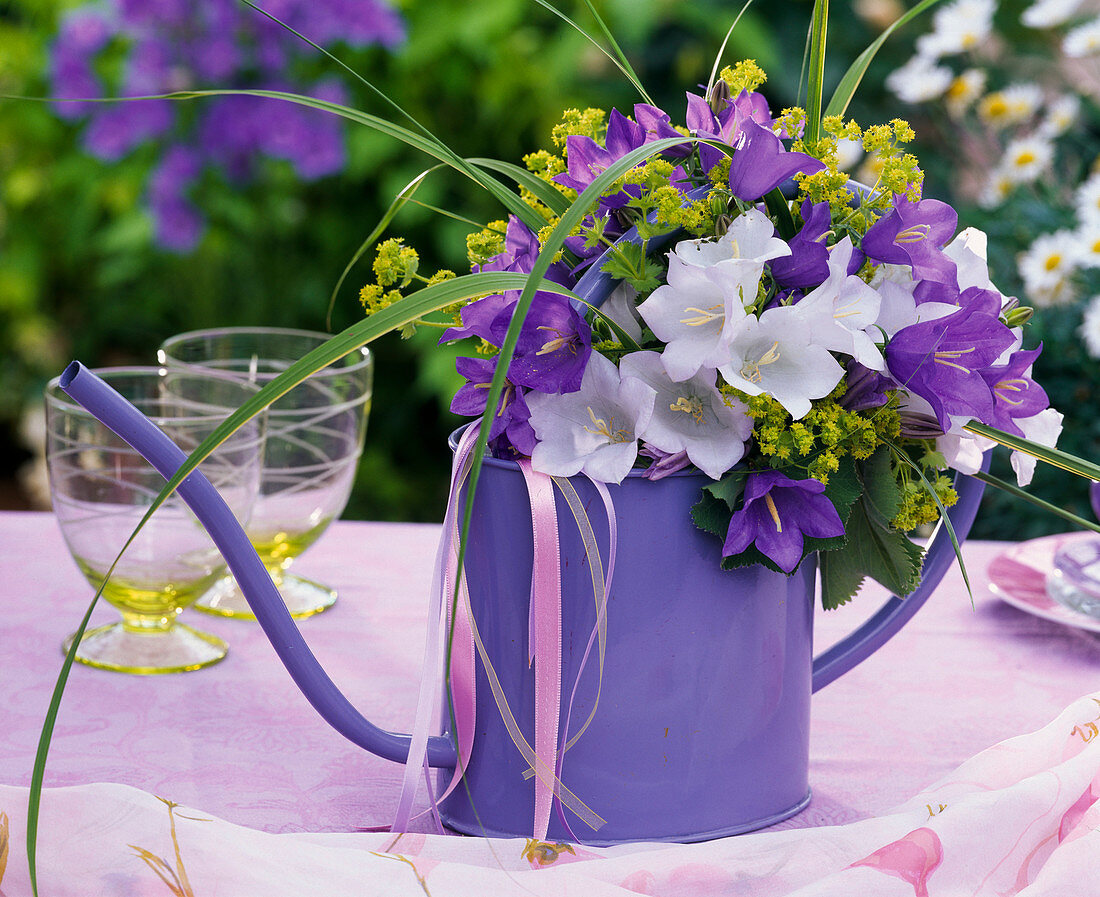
[1011, 106]
[997, 189]
[1026, 158]
[964, 91]
[919, 80]
[1090, 327]
[1084, 40]
[848, 153]
[1046, 267]
[1048, 13]
[957, 27]
[1060, 116]
[1088, 245]
[1087, 200]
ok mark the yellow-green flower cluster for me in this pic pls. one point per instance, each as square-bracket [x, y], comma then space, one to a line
[395, 263]
[744, 75]
[827, 433]
[901, 171]
[829, 185]
[575, 123]
[918, 507]
[482, 245]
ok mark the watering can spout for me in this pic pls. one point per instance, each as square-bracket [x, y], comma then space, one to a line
[116, 413]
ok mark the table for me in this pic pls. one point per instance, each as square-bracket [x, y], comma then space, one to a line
[239, 742]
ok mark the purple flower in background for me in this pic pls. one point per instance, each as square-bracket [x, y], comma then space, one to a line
[1015, 394]
[942, 360]
[760, 163]
[174, 45]
[777, 513]
[914, 234]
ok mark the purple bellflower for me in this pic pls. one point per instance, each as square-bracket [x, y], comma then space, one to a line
[777, 513]
[942, 360]
[760, 163]
[727, 124]
[865, 388]
[808, 264]
[554, 345]
[1015, 394]
[914, 234]
[510, 431]
[587, 159]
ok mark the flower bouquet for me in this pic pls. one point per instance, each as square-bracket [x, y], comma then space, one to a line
[822, 350]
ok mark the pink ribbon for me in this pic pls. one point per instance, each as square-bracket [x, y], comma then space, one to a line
[440, 619]
[544, 636]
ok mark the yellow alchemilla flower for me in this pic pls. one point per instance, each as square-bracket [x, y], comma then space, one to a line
[744, 75]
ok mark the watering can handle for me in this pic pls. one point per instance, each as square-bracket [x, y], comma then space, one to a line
[896, 612]
[114, 412]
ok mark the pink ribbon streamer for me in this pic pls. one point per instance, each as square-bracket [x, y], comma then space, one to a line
[544, 635]
[439, 622]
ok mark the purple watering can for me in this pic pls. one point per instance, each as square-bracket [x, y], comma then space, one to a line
[698, 711]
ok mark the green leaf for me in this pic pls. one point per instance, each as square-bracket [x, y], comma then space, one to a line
[618, 58]
[425, 143]
[846, 89]
[815, 80]
[711, 514]
[882, 496]
[1038, 502]
[730, 488]
[398, 203]
[544, 192]
[722, 49]
[394, 317]
[780, 211]
[886, 555]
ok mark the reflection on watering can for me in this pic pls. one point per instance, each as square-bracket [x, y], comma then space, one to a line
[687, 744]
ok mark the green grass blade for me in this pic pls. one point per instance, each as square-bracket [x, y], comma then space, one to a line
[846, 89]
[1046, 454]
[815, 80]
[618, 58]
[722, 49]
[1017, 492]
[545, 193]
[425, 144]
[572, 217]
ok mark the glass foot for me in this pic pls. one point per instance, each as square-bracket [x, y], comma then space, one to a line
[175, 650]
[303, 598]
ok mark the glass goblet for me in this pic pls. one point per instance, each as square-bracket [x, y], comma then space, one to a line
[101, 488]
[314, 439]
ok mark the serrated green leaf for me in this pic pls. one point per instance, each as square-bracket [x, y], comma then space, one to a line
[711, 515]
[730, 488]
[885, 555]
[840, 580]
[882, 494]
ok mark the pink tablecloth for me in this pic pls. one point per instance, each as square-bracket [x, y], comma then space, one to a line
[239, 742]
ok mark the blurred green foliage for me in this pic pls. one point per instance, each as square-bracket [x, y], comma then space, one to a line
[80, 275]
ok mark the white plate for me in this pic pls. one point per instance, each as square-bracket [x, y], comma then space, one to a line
[1018, 577]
